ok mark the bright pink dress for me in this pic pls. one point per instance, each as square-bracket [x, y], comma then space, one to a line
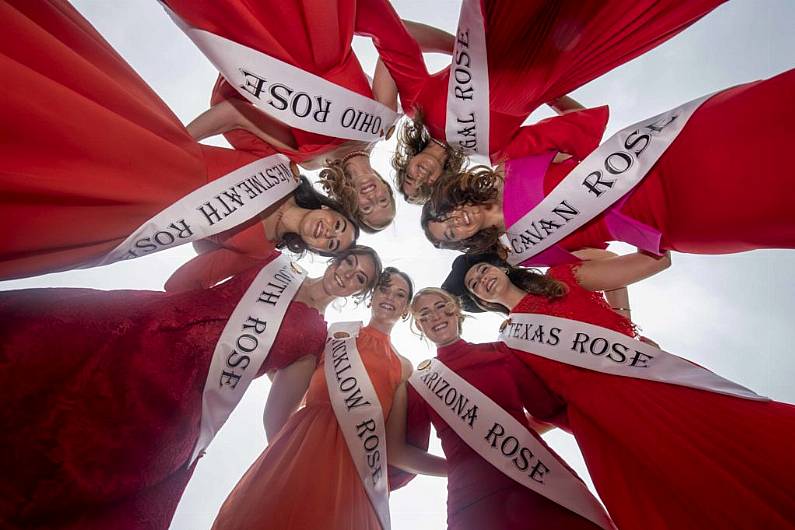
[314, 35]
[88, 152]
[664, 456]
[537, 51]
[479, 496]
[102, 396]
[719, 188]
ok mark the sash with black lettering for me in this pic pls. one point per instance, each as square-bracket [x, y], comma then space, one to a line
[467, 120]
[502, 441]
[291, 95]
[358, 413]
[607, 351]
[217, 206]
[606, 175]
[245, 343]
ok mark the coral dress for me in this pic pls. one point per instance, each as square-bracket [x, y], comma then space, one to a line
[314, 35]
[102, 397]
[719, 188]
[479, 496]
[537, 51]
[88, 152]
[666, 457]
[306, 479]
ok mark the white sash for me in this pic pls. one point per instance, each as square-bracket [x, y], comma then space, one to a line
[215, 207]
[245, 343]
[358, 413]
[607, 351]
[606, 175]
[291, 95]
[502, 441]
[467, 120]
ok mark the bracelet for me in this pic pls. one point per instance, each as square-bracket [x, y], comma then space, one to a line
[621, 308]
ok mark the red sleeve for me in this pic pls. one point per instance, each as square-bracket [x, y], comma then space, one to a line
[575, 133]
[537, 398]
[208, 269]
[398, 49]
[418, 434]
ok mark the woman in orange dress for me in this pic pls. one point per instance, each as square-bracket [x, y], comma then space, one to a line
[306, 478]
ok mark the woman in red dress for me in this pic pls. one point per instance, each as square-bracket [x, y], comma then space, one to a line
[537, 52]
[478, 494]
[697, 198]
[90, 153]
[661, 455]
[306, 478]
[102, 391]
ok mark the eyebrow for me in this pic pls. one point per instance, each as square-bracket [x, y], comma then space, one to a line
[344, 224]
[448, 235]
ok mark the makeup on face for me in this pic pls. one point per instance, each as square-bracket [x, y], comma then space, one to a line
[391, 300]
[485, 281]
[350, 275]
[437, 318]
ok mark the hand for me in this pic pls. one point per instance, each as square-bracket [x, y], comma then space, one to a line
[647, 340]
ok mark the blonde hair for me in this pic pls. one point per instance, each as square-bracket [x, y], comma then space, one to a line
[453, 303]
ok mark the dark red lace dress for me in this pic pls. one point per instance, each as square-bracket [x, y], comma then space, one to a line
[664, 456]
[479, 496]
[101, 399]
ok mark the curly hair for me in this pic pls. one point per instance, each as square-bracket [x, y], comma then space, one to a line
[479, 185]
[413, 137]
[362, 250]
[453, 306]
[530, 281]
[306, 196]
[337, 183]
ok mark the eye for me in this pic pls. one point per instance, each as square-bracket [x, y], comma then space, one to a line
[349, 260]
[384, 202]
[338, 226]
[366, 209]
[361, 278]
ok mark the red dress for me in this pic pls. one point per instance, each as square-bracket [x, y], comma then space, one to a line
[102, 396]
[314, 35]
[537, 51]
[666, 457]
[719, 188]
[88, 152]
[479, 496]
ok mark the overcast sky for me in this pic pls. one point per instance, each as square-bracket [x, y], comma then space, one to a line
[732, 314]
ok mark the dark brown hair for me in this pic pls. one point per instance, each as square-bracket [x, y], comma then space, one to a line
[479, 185]
[413, 138]
[337, 183]
[306, 196]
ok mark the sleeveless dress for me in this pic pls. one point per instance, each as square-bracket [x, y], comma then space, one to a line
[305, 479]
[313, 35]
[664, 456]
[88, 152]
[537, 51]
[102, 398]
[719, 188]
[479, 496]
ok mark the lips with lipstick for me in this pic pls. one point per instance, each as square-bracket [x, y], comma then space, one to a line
[318, 228]
[440, 326]
[367, 187]
[386, 306]
[339, 281]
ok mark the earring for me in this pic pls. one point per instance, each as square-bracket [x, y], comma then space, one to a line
[368, 305]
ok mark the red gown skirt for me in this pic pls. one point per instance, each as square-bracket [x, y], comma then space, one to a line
[88, 152]
[723, 186]
[666, 457]
[102, 395]
[314, 35]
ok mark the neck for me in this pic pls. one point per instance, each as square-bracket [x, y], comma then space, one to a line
[512, 296]
[382, 326]
[291, 218]
[315, 295]
[448, 343]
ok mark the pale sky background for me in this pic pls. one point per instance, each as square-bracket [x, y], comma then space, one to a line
[733, 314]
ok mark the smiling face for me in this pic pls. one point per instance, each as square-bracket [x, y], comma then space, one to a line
[486, 282]
[325, 230]
[422, 169]
[374, 197]
[350, 275]
[390, 299]
[462, 223]
[437, 318]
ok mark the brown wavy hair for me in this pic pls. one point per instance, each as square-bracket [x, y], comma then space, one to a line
[478, 185]
[337, 184]
[413, 137]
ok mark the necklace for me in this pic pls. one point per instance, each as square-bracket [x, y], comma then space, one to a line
[440, 144]
[354, 154]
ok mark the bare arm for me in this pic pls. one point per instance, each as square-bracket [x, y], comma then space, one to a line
[537, 425]
[218, 119]
[430, 39]
[617, 298]
[288, 388]
[401, 454]
[384, 88]
[565, 104]
[619, 271]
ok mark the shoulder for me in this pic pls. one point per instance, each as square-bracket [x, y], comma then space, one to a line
[406, 368]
